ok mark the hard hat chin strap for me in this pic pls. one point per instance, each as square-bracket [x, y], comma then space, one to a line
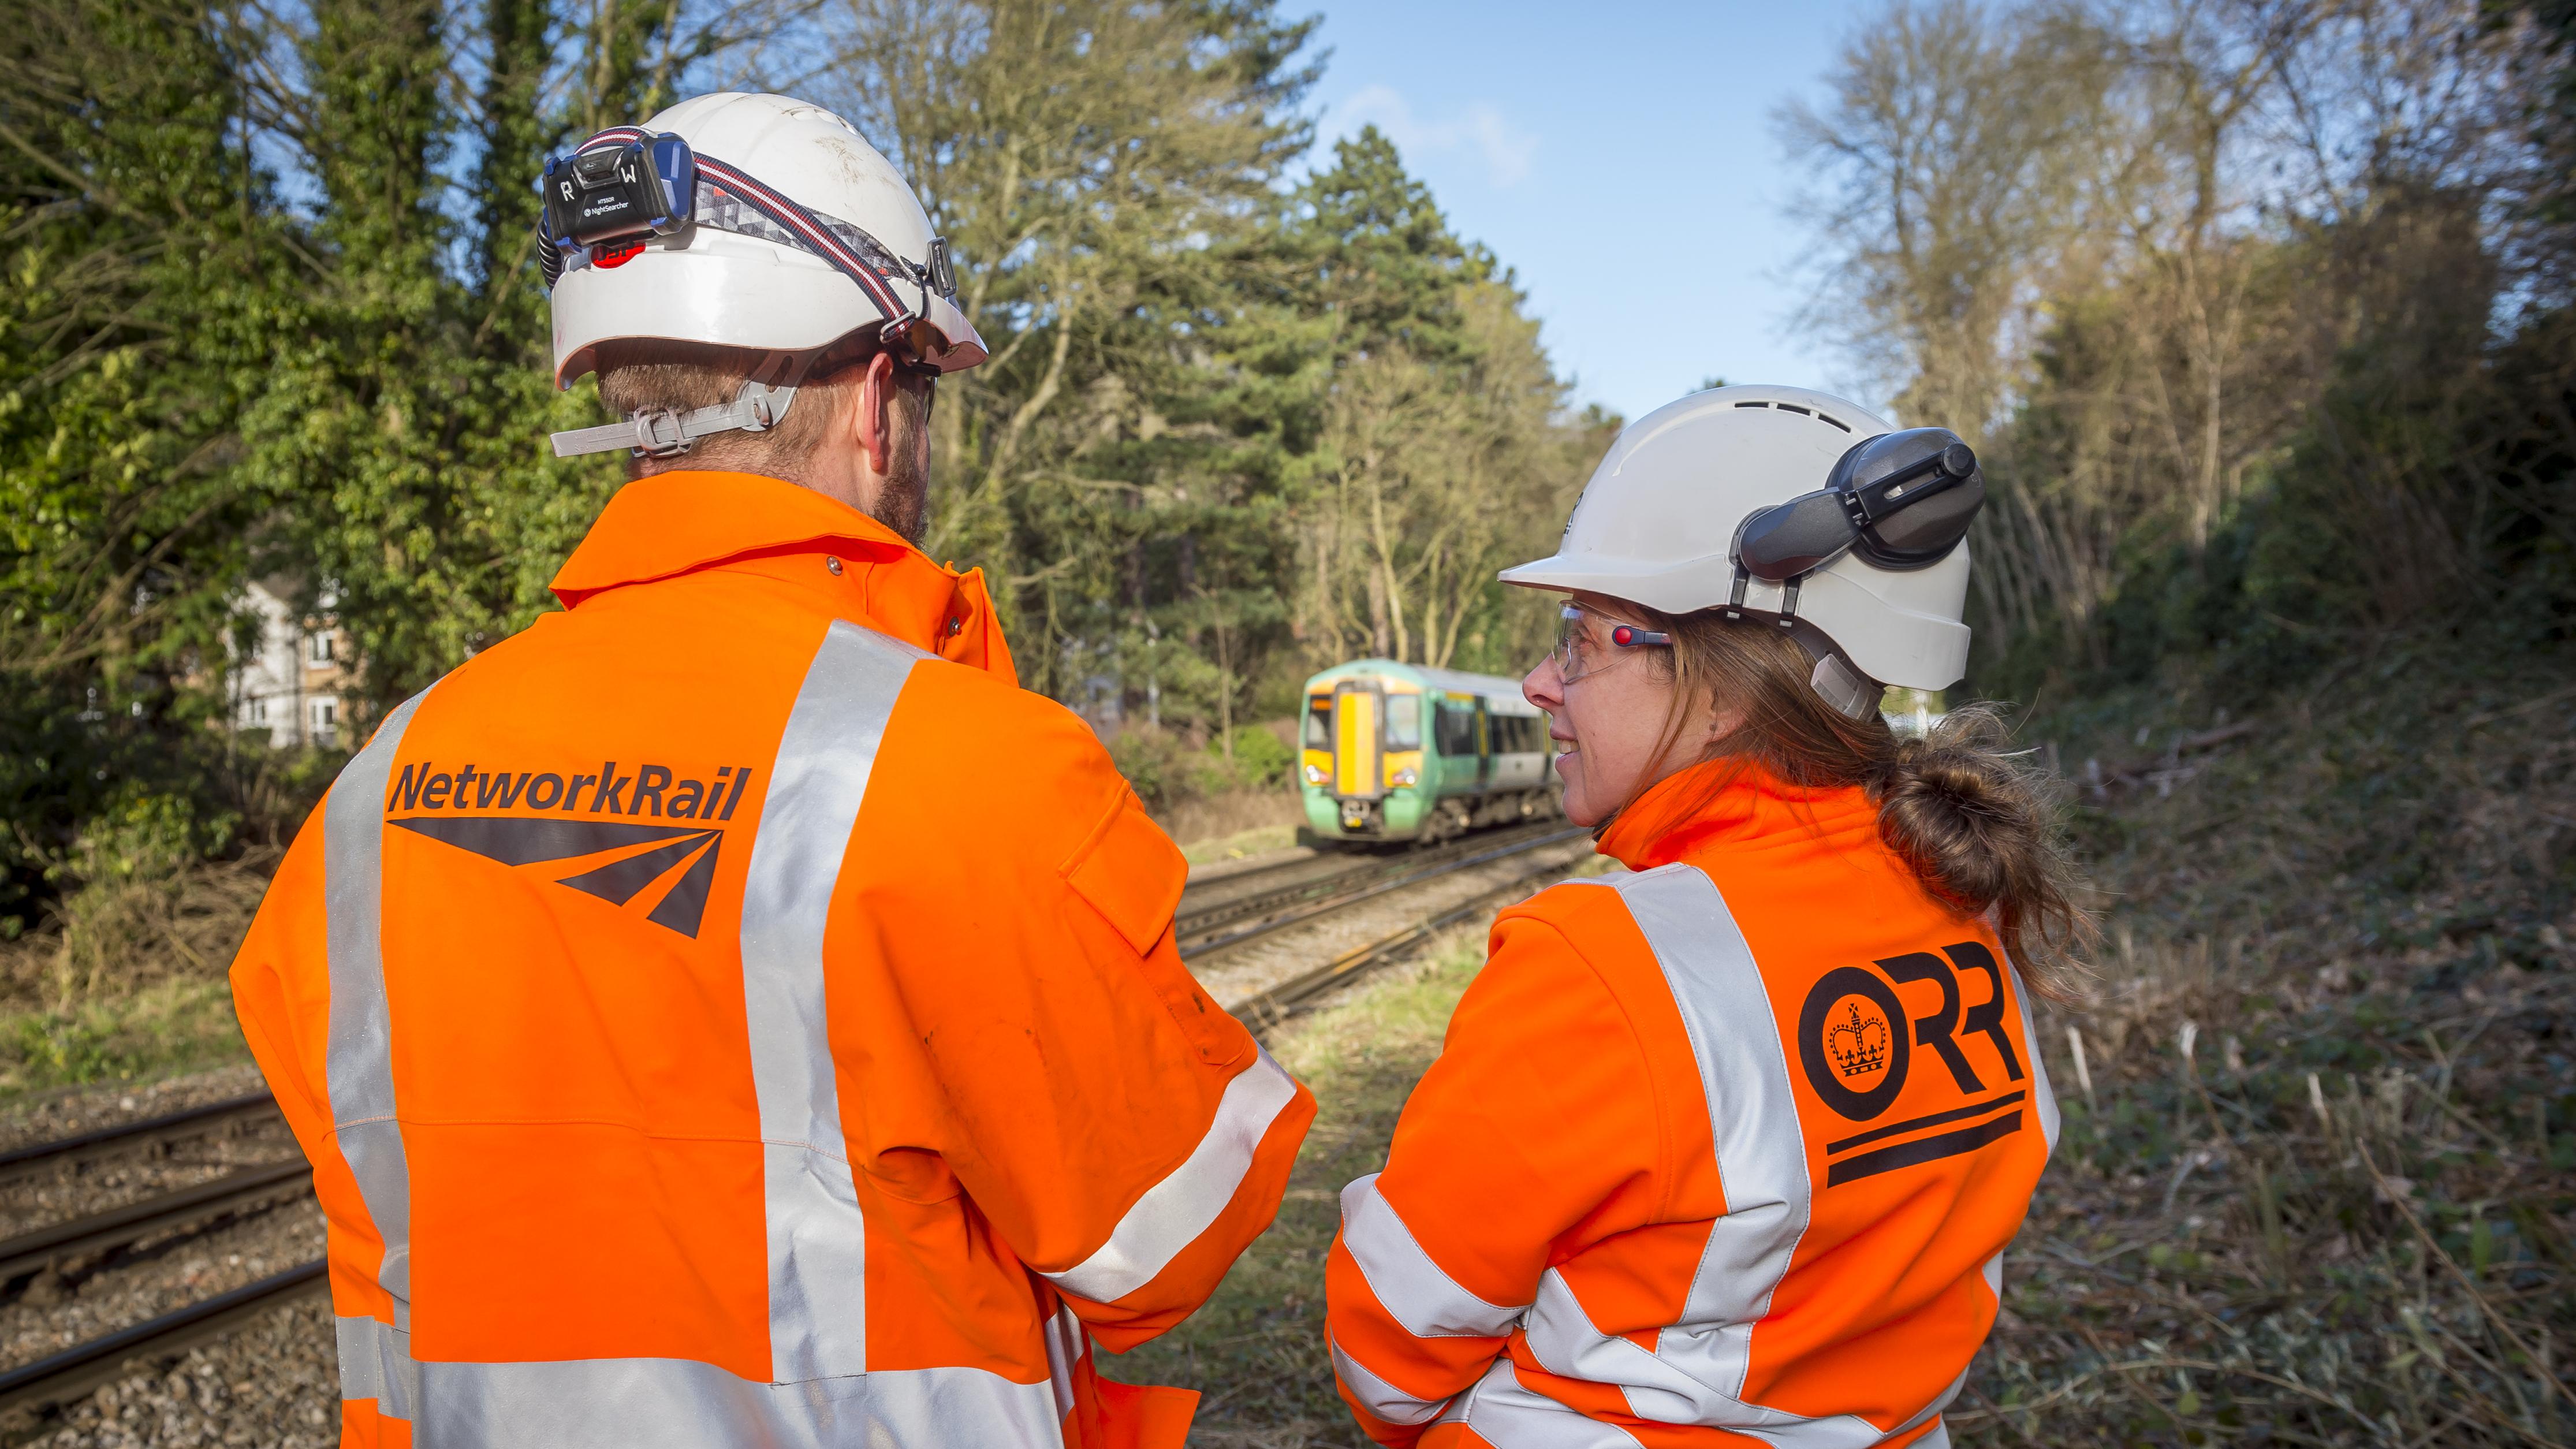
[1843, 688]
[664, 433]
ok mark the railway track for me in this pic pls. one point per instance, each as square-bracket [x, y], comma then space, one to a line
[152, 1132]
[1222, 925]
[1266, 1009]
[1252, 904]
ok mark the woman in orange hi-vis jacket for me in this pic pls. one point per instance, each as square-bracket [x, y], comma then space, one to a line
[1727, 1149]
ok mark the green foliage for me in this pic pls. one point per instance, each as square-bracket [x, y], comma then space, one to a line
[273, 314]
[1262, 758]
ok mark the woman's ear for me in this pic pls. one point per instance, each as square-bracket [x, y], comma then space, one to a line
[876, 392]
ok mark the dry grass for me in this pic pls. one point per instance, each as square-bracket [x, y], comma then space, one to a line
[2318, 1178]
[128, 979]
[1267, 818]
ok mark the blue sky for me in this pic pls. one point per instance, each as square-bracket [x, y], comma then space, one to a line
[1619, 156]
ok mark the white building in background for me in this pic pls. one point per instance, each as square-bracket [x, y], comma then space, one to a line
[291, 681]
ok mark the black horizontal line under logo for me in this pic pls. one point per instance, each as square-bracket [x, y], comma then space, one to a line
[1923, 1149]
[1899, 1129]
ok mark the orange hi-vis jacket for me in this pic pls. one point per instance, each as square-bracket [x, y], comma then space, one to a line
[1723, 1151]
[731, 1013]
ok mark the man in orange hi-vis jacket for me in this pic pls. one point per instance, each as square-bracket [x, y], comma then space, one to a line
[730, 1012]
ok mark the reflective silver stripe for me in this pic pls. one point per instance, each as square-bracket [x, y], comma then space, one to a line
[1565, 1342]
[1696, 1373]
[1995, 1275]
[2045, 1099]
[1752, 1116]
[664, 1403]
[1506, 1414]
[1375, 1394]
[376, 1363]
[358, 1062]
[1173, 1212]
[1426, 1301]
[817, 1238]
[1066, 1344]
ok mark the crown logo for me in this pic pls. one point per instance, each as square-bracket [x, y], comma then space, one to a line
[1858, 1044]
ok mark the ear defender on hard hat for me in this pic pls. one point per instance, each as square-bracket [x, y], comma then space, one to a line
[1900, 500]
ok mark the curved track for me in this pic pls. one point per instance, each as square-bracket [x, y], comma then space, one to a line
[1248, 905]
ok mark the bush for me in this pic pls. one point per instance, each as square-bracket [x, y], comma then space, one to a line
[142, 901]
[1167, 771]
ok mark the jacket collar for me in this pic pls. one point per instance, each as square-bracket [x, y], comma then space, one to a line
[1731, 804]
[670, 524]
[676, 523]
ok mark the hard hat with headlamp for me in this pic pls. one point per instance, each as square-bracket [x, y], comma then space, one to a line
[1793, 507]
[751, 222]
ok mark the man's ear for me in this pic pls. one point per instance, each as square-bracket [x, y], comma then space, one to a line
[875, 391]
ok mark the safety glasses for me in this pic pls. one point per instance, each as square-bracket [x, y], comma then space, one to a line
[1587, 643]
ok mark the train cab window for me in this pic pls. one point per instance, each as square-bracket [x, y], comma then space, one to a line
[1319, 722]
[1404, 722]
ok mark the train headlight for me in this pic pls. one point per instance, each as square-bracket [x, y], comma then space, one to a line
[1408, 776]
[1317, 775]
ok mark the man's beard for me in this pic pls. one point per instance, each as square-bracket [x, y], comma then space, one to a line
[903, 504]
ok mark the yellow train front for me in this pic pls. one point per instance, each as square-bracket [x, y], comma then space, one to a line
[1400, 752]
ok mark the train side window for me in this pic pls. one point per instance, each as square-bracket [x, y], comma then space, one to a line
[1319, 722]
[1456, 731]
[1404, 722]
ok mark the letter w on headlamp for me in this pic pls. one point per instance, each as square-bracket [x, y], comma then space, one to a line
[1900, 500]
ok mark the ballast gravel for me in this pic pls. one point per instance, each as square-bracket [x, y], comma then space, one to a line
[271, 1382]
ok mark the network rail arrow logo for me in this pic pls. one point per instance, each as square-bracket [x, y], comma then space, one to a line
[516, 840]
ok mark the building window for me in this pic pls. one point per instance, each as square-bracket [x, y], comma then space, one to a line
[319, 647]
[259, 710]
[325, 714]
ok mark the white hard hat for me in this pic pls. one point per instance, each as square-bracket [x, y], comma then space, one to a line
[745, 221]
[1780, 503]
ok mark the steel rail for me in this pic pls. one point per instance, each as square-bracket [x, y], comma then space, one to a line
[77, 1370]
[120, 1226]
[1197, 921]
[1203, 949]
[195, 1121]
[1267, 1008]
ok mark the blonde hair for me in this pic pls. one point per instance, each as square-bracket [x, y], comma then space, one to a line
[1978, 828]
[646, 374]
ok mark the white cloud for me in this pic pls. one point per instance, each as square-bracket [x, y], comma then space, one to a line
[1480, 129]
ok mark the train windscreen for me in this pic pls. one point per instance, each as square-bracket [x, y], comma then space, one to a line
[1404, 722]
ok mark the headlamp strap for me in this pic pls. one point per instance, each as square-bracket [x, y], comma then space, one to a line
[784, 211]
[802, 223]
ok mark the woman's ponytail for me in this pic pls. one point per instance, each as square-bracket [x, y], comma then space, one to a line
[1979, 831]
[1978, 827]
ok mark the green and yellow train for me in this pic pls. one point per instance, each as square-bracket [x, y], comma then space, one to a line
[1400, 752]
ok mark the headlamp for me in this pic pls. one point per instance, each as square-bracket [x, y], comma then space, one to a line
[611, 199]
